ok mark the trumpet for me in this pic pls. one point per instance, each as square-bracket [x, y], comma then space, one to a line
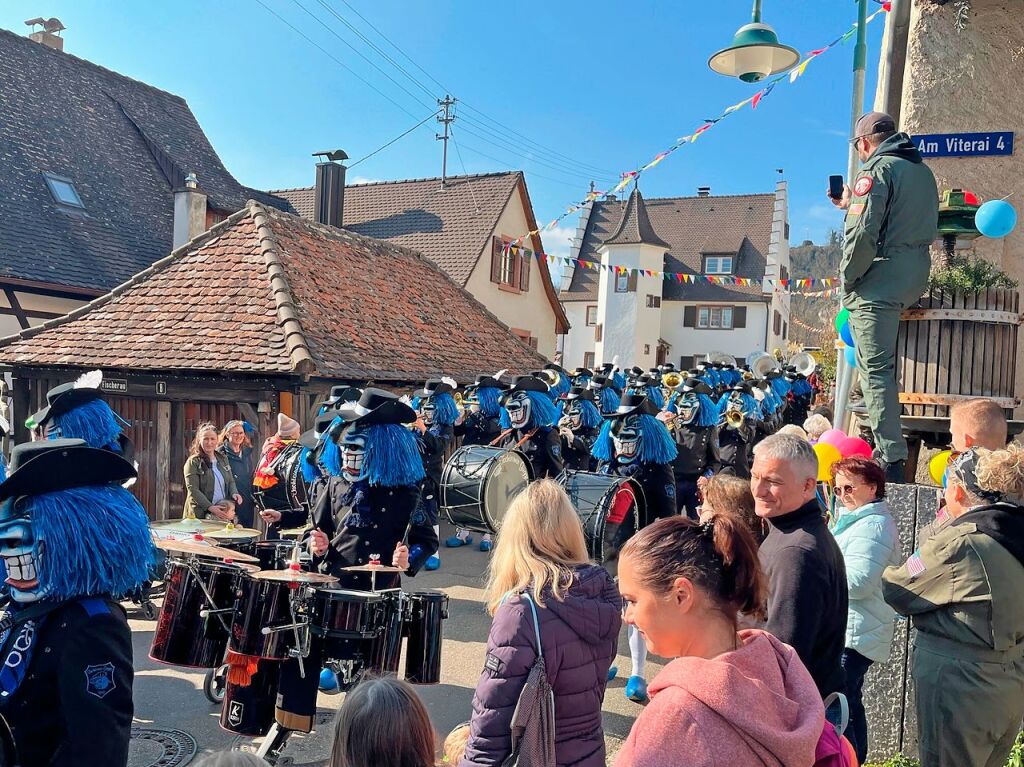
[671, 380]
[734, 419]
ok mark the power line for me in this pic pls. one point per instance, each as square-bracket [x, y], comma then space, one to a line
[469, 181]
[401, 136]
[563, 182]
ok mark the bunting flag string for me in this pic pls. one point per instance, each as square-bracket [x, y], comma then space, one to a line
[792, 76]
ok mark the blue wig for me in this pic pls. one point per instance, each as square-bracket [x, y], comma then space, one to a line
[656, 445]
[801, 388]
[542, 412]
[488, 396]
[560, 389]
[446, 412]
[503, 420]
[93, 421]
[330, 453]
[707, 415]
[781, 387]
[307, 465]
[591, 415]
[619, 380]
[97, 541]
[609, 400]
[3, 468]
[654, 394]
[771, 403]
[750, 407]
[392, 456]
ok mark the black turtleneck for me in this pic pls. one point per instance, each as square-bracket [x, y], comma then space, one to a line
[807, 592]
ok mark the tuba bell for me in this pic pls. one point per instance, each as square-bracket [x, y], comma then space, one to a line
[672, 379]
[734, 419]
[551, 377]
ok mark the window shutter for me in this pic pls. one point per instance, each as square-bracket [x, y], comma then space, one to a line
[689, 316]
[739, 316]
[631, 283]
[598, 334]
[524, 272]
[496, 246]
[777, 323]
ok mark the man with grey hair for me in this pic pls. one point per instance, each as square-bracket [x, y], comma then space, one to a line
[807, 594]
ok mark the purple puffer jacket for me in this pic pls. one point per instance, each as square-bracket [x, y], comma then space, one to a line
[579, 636]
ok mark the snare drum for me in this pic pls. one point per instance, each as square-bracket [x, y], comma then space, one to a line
[265, 603]
[609, 507]
[241, 539]
[345, 619]
[183, 637]
[478, 484]
[276, 555]
[423, 652]
[249, 710]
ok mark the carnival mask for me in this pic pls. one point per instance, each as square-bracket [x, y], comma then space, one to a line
[574, 415]
[353, 450]
[519, 408]
[687, 407]
[427, 412]
[626, 435]
[21, 552]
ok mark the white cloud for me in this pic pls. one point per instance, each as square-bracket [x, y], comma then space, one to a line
[355, 180]
[557, 242]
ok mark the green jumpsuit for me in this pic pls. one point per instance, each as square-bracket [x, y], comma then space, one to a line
[891, 221]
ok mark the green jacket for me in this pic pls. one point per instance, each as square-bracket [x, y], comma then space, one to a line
[199, 484]
[891, 221]
[963, 586]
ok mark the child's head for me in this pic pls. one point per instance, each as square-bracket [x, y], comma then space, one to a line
[977, 423]
[383, 721]
[231, 759]
[455, 744]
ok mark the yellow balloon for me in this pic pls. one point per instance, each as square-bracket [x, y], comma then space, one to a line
[937, 466]
[827, 455]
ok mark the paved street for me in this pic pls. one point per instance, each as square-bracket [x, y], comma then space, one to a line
[171, 698]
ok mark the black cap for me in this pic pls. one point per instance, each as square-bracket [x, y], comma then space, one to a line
[874, 122]
[634, 403]
[524, 383]
[377, 406]
[51, 465]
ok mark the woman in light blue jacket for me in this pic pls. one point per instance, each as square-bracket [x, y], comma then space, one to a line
[870, 542]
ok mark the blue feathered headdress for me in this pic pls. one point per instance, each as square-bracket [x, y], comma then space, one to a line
[608, 399]
[488, 396]
[656, 444]
[801, 388]
[96, 541]
[781, 387]
[392, 456]
[92, 421]
[652, 392]
[542, 412]
[750, 406]
[446, 412]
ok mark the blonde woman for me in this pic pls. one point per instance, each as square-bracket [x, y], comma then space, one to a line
[541, 550]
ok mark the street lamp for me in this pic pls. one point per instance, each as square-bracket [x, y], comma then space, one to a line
[755, 52]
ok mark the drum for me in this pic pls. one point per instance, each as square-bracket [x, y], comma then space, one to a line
[275, 555]
[183, 636]
[188, 526]
[346, 618]
[611, 509]
[383, 652]
[478, 484]
[423, 652]
[249, 710]
[291, 490]
[265, 603]
[241, 539]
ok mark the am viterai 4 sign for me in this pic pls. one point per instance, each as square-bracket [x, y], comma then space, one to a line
[965, 144]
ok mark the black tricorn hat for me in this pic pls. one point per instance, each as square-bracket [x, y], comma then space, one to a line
[666, 367]
[742, 386]
[578, 392]
[324, 420]
[377, 406]
[489, 382]
[601, 381]
[524, 383]
[606, 367]
[695, 385]
[635, 371]
[342, 394]
[435, 386]
[648, 379]
[634, 403]
[61, 399]
[557, 367]
[576, 373]
[51, 465]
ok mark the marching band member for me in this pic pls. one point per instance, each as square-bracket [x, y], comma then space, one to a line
[692, 419]
[72, 540]
[648, 385]
[634, 443]
[77, 411]
[606, 396]
[528, 417]
[579, 428]
[436, 426]
[580, 376]
[479, 426]
[562, 381]
[799, 397]
[740, 414]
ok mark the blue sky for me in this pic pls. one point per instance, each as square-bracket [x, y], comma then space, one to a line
[602, 86]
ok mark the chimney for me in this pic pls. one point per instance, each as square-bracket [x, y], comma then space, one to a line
[703, 191]
[49, 35]
[329, 192]
[189, 212]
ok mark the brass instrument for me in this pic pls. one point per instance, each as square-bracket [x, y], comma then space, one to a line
[551, 377]
[734, 419]
[671, 379]
[459, 404]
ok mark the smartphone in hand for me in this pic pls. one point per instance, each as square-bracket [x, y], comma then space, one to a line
[835, 187]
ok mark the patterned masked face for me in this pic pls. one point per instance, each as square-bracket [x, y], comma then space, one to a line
[519, 407]
[471, 400]
[427, 411]
[21, 552]
[688, 407]
[574, 415]
[735, 402]
[353, 450]
[626, 435]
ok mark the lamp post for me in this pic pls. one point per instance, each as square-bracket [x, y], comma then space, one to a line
[755, 52]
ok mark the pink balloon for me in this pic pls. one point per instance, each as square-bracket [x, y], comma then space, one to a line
[833, 437]
[852, 446]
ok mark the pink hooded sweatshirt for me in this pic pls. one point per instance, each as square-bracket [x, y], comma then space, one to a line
[754, 706]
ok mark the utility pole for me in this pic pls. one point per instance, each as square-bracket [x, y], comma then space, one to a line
[446, 103]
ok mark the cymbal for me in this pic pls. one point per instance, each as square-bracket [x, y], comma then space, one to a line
[230, 531]
[188, 525]
[294, 576]
[294, 532]
[373, 569]
[200, 547]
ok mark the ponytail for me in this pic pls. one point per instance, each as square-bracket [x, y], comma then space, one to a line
[719, 556]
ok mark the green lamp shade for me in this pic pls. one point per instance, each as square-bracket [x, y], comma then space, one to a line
[755, 54]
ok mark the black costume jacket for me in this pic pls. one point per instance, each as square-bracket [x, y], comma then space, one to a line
[74, 706]
[477, 429]
[733, 445]
[543, 450]
[656, 480]
[434, 443]
[698, 452]
[576, 451]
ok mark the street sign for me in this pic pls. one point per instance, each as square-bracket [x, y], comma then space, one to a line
[116, 385]
[965, 144]
[161, 387]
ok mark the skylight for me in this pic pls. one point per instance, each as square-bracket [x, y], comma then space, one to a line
[63, 191]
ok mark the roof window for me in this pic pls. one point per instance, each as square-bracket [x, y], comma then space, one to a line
[63, 190]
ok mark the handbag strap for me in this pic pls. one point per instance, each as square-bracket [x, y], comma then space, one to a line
[536, 622]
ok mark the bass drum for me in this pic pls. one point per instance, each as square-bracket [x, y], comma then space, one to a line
[291, 490]
[478, 484]
[611, 509]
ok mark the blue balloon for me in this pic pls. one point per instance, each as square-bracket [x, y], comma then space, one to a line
[846, 333]
[996, 218]
[851, 356]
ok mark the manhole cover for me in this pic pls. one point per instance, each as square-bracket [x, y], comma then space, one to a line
[151, 747]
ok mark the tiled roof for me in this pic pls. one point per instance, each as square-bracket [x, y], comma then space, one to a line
[125, 145]
[450, 226]
[635, 226]
[257, 294]
[692, 227]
